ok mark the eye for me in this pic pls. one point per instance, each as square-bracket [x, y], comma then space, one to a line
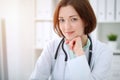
[74, 19]
[61, 20]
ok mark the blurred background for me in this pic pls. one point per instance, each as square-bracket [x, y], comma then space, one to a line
[26, 25]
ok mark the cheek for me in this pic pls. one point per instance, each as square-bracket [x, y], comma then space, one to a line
[61, 28]
[80, 29]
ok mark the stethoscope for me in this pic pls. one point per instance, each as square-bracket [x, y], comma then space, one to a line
[66, 56]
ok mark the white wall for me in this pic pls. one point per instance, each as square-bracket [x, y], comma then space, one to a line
[0, 52]
[19, 16]
[9, 14]
[26, 37]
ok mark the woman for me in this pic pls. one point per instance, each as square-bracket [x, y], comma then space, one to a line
[70, 58]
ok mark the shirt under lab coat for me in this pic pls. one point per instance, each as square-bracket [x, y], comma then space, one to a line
[47, 68]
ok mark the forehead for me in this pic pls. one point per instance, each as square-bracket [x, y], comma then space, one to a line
[67, 11]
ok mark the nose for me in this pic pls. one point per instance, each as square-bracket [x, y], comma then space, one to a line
[67, 25]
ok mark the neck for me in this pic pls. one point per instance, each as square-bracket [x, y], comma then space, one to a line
[84, 40]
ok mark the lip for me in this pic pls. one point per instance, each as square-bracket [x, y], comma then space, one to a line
[69, 33]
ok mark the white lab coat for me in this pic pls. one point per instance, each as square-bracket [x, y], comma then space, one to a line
[76, 68]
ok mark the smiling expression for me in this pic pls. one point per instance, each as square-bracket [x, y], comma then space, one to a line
[70, 23]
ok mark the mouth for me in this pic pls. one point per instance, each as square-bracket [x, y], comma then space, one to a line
[70, 33]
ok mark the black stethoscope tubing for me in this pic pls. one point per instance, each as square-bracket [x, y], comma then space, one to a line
[90, 51]
[66, 56]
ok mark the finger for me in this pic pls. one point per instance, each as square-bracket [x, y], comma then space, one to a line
[71, 44]
[76, 42]
[67, 41]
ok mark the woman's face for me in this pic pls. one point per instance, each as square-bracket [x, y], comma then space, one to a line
[70, 22]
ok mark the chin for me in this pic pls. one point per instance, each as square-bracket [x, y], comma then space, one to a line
[69, 38]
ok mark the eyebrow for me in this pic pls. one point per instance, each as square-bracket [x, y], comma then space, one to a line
[74, 16]
[70, 16]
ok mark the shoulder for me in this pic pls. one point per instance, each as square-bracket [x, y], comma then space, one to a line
[98, 45]
[52, 44]
[101, 48]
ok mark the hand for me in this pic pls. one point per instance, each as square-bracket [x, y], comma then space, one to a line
[76, 45]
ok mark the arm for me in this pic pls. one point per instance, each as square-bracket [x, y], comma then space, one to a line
[43, 66]
[79, 68]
